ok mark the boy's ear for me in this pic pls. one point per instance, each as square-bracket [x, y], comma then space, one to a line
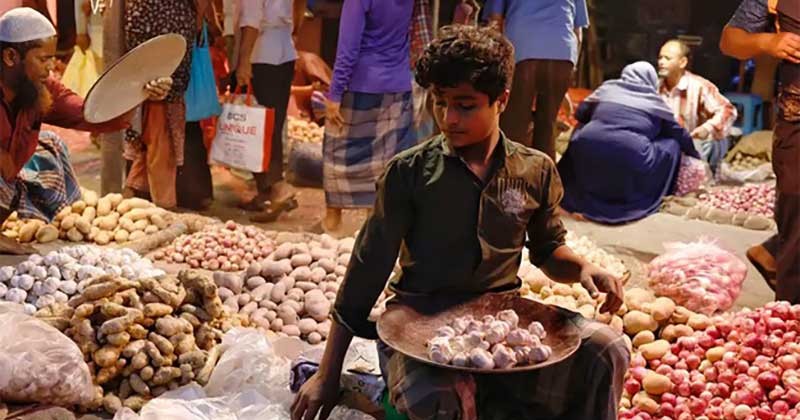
[502, 101]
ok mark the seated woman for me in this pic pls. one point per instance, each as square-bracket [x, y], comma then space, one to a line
[624, 156]
[36, 177]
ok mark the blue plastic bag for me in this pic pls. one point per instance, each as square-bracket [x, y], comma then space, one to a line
[201, 96]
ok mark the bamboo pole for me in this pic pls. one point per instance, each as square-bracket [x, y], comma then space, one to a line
[113, 171]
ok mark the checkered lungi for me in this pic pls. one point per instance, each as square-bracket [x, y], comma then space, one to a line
[586, 386]
[376, 127]
[45, 185]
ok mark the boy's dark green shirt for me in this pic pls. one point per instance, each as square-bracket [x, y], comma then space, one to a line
[455, 234]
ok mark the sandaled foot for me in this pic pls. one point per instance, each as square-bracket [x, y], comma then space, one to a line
[258, 203]
[10, 246]
[764, 263]
[274, 210]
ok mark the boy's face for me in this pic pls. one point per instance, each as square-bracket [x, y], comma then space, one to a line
[465, 115]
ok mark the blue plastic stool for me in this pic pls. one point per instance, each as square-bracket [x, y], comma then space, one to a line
[751, 110]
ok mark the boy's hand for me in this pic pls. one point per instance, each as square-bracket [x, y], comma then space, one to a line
[596, 281]
[83, 41]
[317, 395]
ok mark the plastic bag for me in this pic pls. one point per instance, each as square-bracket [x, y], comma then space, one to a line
[692, 174]
[250, 382]
[726, 173]
[698, 275]
[39, 364]
[81, 72]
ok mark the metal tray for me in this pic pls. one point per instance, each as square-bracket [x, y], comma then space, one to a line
[406, 327]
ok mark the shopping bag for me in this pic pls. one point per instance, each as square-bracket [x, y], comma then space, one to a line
[244, 135]
[81, 72]
[201, 94]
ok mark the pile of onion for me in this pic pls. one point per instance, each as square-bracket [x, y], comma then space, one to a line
[751, 199]
[742, 366]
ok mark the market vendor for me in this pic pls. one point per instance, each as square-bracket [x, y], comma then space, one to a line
[624, 155]
[458, 209]
[746, 36]
[696, 102]
[37, 177]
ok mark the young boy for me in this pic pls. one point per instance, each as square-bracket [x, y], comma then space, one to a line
[458, 208]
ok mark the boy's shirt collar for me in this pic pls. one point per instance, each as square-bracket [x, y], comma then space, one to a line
[504, 149]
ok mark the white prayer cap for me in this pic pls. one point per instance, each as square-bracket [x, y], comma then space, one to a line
[23, 24]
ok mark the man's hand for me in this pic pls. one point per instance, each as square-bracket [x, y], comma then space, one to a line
[784, 45]
[333, 114]
[317, 395]
[700, 133]
[83, 42]
[596, 281]
[157, 90]
[244, 73]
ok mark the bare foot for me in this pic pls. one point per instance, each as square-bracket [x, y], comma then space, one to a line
[333, 219]
[12, 247]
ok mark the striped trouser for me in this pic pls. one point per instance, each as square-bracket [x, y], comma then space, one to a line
[587, 386]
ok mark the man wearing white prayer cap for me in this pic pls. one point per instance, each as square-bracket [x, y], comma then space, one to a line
[36, 177]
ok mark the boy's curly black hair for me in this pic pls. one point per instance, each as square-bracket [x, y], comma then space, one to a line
[481, 57]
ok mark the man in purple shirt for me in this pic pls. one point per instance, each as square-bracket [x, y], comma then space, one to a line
[369, 113]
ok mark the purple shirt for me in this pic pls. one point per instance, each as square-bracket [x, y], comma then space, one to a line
[373, 50]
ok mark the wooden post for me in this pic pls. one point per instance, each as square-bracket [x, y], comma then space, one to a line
[113, 171]
[437, 7]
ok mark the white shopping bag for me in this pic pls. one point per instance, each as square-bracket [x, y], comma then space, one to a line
[243, 138]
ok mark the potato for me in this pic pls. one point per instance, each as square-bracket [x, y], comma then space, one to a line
[674, 332]
[287, 314]
[662, 309]
[129, 204]
[317, 306]
[655, 350]
[314, 338]
[89, 213]
[699, 322]
[74, 235]
[28, 231]
[158, 221]
[637, 321]
[46, 233]
[90, 198]
[83, 225]
[715, 354]
[137, 235]
[301, 260]
[103, 237]
[115, 199]
[68, 222]
[78, 206]
[656, 384]
[106, 223]
[278, 292]
[307, 326]
[106, 356]
[643, 337]
[64, 212]
[636, 298]
[140, 214]
[103, 206]
[643, 402]
[681, 315]
[121, 236]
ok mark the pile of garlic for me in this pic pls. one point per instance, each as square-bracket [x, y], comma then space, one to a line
[44, 280]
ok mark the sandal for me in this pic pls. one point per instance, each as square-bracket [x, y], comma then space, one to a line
[770, 276]
[275, 209]
[257, 204]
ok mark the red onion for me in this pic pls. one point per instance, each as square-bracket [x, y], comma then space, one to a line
[751, 198]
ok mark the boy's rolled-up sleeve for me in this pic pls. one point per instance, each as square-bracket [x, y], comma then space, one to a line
[375, 252]
[546, 231]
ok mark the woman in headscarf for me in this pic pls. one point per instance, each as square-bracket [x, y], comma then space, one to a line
[624, 156]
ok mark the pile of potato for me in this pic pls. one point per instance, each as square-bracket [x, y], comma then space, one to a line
[291, 292]
[305, 131]
[743, 162]
[142, 338]
[41, 281]
[227, 247]
[643, 317]
[92, 219]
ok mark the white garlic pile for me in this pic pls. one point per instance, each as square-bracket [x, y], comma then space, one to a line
[41, 281]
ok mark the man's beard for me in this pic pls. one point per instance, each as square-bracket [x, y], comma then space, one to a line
[30, 94]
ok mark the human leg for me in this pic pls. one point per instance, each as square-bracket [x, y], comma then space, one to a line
[423, 392]
[516, 119]
[785, 162]
[552, 81]
[160, 160]
[586, 386]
